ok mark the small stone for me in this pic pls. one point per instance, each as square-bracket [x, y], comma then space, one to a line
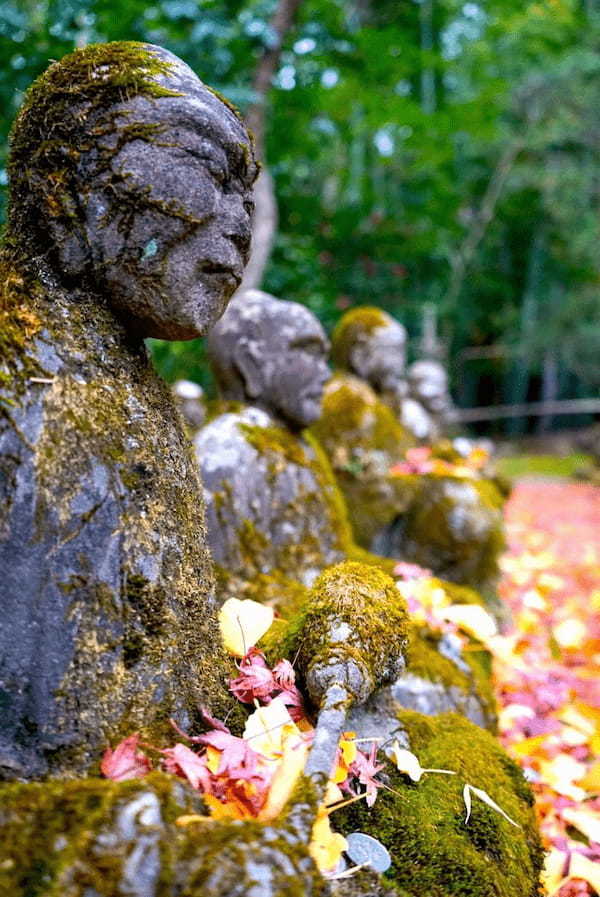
[365, 849]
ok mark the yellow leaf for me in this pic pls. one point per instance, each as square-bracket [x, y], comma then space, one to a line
[268, 727]
[182, 821]
[218, 810]
[572, 716]
[528, 747]
[289, 770]
[348, 751]
[213, 758]
[561, 772]
[552, 874]
[471, 618]
[243, 624]
[591, 781]
[326, 847]
[587, 821]
[585, 869]
[406, 762]
[570, 633]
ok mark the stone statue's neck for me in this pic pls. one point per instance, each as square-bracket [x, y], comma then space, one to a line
[277, 420]
[82, 319]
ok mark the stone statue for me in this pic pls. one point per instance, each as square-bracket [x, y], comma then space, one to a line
[428, 388]
[275, 519]
[129, 216]
[451, 526]
[192, 404]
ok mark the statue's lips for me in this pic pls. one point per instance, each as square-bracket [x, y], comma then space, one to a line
[221, 272]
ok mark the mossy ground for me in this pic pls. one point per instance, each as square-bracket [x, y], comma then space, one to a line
[434, 853]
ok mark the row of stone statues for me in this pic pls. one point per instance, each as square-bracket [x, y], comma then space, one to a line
[130, 208]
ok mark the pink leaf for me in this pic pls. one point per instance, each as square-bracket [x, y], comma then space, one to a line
[125, 762]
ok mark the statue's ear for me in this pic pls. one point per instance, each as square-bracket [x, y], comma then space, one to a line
[250, 367]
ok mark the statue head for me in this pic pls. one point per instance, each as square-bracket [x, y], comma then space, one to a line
[428, 383]
[271, 354]
[129, 175]
[371, 344]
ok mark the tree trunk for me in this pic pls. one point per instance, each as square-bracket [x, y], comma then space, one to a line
[265, 213]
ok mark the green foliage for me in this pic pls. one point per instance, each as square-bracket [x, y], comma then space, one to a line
[389, 128]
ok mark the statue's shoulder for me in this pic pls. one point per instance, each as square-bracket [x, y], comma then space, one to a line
[248, 440]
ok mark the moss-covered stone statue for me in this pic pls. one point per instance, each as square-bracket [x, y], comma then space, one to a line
[275, 518]
[129, 216]
[453, 526]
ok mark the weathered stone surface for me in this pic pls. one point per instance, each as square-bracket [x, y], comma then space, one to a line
[190, 398]
[268, 504]
[108, 624]
[96, 838]
[452, 526]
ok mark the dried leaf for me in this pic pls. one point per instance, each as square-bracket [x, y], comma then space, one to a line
[243, 624]
[484, 796]
[125, 762]
[587, 821]
[472, 619]
[326, 847]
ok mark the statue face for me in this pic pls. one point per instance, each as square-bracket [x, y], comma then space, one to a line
[429, 384]
[381, 357]
[169, 223]
[294, 366]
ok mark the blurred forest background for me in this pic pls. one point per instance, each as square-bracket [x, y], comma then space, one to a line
[440, 159]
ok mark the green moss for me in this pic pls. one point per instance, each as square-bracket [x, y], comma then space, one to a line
[276, 440]
[51, 833]
[362, 602]
[434, 852]
[429, 537]
[362, 440]
[63, 108]
[19, 324]
[426, 661]
[354, 325]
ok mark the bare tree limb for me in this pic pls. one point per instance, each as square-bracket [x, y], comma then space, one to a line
[264, 225]
[463, 258]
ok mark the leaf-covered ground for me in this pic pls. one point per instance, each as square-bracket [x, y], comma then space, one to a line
[547, 670]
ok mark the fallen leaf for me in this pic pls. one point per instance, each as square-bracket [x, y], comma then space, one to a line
[125, 762]
[326, 847]
[586, 821]
[243, 624]
[267, 727]
[585, 869]
[484, 796]
[472, 619]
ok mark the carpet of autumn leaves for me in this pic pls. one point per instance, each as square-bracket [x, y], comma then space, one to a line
[547, 670]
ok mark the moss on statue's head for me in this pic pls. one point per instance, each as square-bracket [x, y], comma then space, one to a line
[355, 614]
[65, 112]
[354, 326]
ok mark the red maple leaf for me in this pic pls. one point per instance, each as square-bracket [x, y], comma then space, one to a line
[125, 762]
[183, 762]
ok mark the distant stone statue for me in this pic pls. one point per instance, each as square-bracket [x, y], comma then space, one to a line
[129, 216]
[428, 389]
[451, 526]
[275, 520]
[189, 396]
[269, 504]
